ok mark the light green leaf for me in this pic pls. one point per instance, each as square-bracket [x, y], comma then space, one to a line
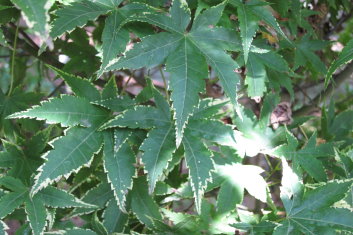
[57, 198]
[292, 187]
[36, 214]
[142, 204]
[10, 202]
[140, 117]
[256, 77]
[69, 154]
[158, 148]
[119, 162]
[246, 176]
[81, 87]
[248, 26]
[200, 164]
[229, 196]
[36, 15]
[114, 220]
[212, 130]
[180, 14]
[66, 110]
[209, 17]
[344, 57]
[77, 15]
[150, 52]
[187, 68]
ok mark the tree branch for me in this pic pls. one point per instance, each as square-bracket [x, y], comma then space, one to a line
[340, 78]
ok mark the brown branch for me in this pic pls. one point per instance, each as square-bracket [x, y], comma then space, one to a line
[339, 79]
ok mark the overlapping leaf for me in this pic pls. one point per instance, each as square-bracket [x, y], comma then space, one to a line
[309, 211]
[79, 13]
[185, 56]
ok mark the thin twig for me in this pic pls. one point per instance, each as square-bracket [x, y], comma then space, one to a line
[13, 60]
[340, 78]
[125, 85]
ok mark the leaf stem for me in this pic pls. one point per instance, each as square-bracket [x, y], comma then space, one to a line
[125, 85]
[165, 83]
[13, 60]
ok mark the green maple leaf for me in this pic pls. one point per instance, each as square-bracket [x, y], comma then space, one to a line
[304, 54]
[36, 15]
[81, 140]
[16, 102]
[159, 146]
[25, 159]
[307, 157]
[79, 13]
[35, 206]
[187, 54]
[344, 57]
[312, 210]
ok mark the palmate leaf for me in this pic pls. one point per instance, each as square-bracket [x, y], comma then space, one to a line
[200, 164]
[306, 157]
[15, 159]
[187, 68]
[344, 57]
[36, 15]
[18, 101]
[79, 13]
[119, 160]
[66, 110]
[80, 146]
[185, 56]
[309, 211]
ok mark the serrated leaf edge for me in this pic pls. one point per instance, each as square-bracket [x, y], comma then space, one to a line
[47, 181]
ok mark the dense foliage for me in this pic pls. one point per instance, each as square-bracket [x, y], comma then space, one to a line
[176, 117]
